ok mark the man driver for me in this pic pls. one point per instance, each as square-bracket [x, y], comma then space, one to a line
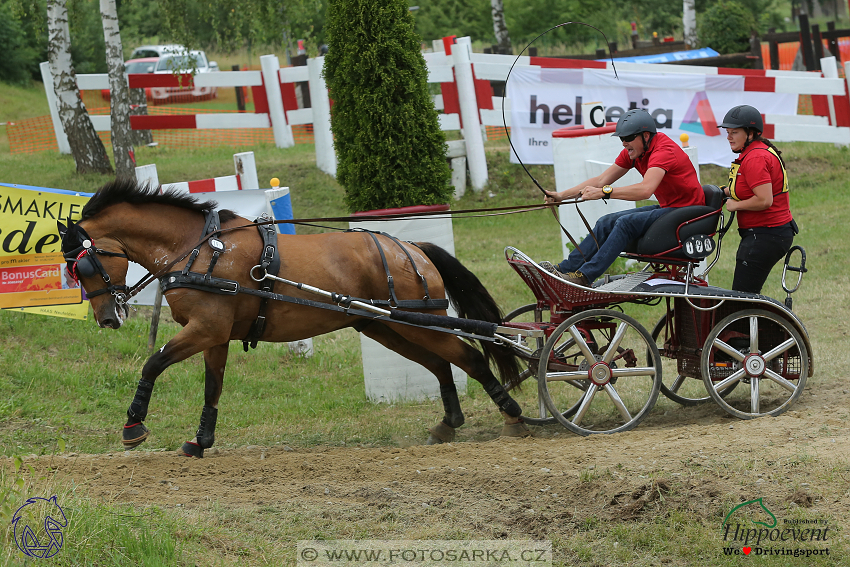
[667, 172]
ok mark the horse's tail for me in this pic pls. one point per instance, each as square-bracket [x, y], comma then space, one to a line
[471, 300]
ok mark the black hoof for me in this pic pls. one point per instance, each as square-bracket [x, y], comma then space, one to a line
[191, 449]
[134, 435]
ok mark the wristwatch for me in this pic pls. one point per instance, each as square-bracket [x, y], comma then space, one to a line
[606, 191]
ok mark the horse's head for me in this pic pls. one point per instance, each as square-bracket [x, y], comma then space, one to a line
[101, 272]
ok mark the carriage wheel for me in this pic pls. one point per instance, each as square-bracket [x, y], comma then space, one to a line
[681, 389]
[605, 363]
[762, 350]
[527, 394]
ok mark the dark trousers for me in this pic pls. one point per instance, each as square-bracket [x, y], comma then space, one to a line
[759, 251]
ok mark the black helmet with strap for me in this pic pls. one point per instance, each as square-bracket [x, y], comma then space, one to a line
[743, 116]
[635, 121]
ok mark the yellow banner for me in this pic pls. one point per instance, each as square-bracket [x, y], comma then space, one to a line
[71, 311]
[32, 270]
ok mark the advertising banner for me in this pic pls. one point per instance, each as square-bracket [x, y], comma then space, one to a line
[544, 100]
[32, 270]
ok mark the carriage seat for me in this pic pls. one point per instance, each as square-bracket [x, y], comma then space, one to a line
[662, 240]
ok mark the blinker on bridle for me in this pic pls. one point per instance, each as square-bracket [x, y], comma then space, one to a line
[82, 261]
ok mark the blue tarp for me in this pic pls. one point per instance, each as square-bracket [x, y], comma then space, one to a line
[668, 57]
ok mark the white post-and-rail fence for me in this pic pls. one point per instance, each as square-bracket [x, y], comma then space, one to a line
[466, 100]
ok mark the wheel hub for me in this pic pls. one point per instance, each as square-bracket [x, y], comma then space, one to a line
[599, 374]
[754, 364]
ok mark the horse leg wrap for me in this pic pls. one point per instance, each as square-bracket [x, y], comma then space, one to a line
[135, 432]
[206, 431]
[139, 408]
[454, 415]
[502, 399]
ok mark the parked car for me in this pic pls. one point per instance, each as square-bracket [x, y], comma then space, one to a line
[156, 50]
[143, 65]
[194, 62]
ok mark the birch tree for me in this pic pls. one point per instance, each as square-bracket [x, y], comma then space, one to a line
[87, 149]
[119, 94]
[500, 29]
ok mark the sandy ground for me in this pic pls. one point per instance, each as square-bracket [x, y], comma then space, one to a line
[696, 460]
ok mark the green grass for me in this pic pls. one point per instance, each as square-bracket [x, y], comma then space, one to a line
[65, 385]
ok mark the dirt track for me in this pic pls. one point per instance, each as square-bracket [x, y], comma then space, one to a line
[696, 460]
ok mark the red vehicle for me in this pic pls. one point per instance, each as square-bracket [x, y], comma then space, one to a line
[133, 66]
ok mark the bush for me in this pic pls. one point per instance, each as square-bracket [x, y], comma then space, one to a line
[726, 27]
[390, 149]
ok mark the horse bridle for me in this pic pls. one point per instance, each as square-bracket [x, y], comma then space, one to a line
[82, 261]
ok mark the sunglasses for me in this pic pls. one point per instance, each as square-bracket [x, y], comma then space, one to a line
[628, 138]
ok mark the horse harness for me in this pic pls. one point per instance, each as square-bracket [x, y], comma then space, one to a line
[270, 265]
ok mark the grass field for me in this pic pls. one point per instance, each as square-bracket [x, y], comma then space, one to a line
[65, 386]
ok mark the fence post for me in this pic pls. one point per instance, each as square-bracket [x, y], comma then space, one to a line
[817, 40]
[773, 49]
[246, 169]
[832, 42]
[240, 98]
[755, 49]
[321, 105]
[147, 174]
[61, 137]
[277, 114]
[830, 71]
[806, 43]
[476, 158]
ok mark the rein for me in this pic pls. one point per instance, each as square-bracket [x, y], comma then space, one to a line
[150, 276]
[510, 142]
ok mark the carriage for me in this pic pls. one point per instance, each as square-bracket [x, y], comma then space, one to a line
[599, 370]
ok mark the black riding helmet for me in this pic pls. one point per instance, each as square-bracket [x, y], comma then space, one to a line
[743, 116]
[635, 121]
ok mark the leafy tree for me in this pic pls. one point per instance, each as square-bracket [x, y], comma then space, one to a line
[440, 18]
[391, 151]
[229, 24]
[20, 57]
[726, 27]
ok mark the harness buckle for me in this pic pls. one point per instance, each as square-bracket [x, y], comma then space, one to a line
[223, 287]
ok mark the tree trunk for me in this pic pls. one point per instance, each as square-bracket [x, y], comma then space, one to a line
[119, 94]
[139, 107]
[87, 149]
[503, 38]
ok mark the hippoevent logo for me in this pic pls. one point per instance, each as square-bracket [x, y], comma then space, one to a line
[743, 535]
[38, 527]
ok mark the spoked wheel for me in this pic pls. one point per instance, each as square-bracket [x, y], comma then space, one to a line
[606, 365]
[527, 393]
[762, 350]
[681, 389]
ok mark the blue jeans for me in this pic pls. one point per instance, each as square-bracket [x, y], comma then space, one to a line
[614, 232]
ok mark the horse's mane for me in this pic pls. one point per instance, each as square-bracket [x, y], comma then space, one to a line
[129, 191]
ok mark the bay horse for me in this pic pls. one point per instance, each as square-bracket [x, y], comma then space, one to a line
[126, 221]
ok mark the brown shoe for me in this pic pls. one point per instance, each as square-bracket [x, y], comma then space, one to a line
[577, 278]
